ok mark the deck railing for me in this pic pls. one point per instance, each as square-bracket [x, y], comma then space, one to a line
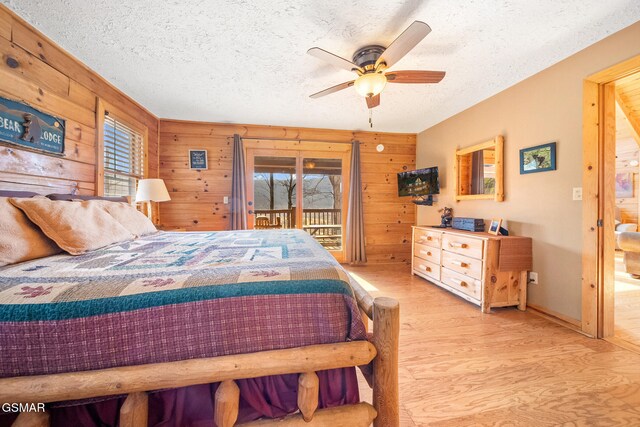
[285, 217]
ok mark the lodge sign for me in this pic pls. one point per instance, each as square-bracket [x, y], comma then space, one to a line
[28, 127]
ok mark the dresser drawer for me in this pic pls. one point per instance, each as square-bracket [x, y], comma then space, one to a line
[427, 252]
[427, 237]
[467, 285]
[462, 264]
[425, 267]
[463, 245]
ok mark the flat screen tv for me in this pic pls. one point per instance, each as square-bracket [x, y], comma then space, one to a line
[421, 182]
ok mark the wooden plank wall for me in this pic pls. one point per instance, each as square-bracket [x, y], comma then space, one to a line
[51, 80]
[197, 197]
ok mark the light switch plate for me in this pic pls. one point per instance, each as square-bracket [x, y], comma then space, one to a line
[225, 200]
[533, 278]
[577, 193]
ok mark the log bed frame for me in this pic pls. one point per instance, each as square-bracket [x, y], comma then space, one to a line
[136, 381]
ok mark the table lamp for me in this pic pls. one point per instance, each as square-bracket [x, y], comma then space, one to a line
[151, 190]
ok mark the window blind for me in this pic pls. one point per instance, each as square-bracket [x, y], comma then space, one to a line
[123, 157]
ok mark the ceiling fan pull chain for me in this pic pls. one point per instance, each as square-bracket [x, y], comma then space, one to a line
[371, 117]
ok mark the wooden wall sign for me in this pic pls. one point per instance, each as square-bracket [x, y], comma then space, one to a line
[30, 128]
[198, 159]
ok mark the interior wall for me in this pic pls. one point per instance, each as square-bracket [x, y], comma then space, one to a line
[51, 80]
[544, 108]
[197, 196]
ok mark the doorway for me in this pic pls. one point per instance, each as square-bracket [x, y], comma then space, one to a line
[606, 98]
[303, 189]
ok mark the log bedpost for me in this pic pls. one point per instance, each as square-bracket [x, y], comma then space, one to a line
[365, 319]
[135, 410]
[227, 401]
[308, 392]
[386, 331]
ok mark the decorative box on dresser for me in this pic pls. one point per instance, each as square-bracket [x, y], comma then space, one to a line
[487, 270]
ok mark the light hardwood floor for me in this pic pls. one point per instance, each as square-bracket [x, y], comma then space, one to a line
[627, 304]
[459, 367]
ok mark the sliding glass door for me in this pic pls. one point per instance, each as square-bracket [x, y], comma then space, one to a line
[322, 206]
[274, 181]
[302, 189]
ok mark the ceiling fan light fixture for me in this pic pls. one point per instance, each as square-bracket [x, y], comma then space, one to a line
[370, 84]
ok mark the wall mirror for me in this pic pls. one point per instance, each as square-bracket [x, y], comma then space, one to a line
[479, 171]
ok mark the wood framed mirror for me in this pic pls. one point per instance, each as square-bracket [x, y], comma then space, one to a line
[479, 172]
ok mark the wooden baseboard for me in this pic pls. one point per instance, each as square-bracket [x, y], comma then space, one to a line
[623, 344]
[558, 318]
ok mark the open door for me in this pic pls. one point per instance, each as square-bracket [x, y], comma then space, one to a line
[601, 95]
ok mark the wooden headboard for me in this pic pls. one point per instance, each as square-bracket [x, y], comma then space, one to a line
[40, 185]
[61, 196]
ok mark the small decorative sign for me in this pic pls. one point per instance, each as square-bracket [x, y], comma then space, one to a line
[198, 159]
[30, 128]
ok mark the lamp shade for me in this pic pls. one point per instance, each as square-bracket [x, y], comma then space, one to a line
[152, 190]
[370, 84]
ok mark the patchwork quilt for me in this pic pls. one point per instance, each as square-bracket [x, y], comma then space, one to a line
[173, 296]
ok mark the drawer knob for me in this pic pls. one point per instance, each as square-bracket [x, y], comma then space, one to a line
[426, 268]
[458, 245]
[428, 237]
[460, 283]
[460, 263]
[428, 253]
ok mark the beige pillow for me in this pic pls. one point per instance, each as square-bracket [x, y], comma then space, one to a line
[20, 239]
[77, 227]
[129, 217]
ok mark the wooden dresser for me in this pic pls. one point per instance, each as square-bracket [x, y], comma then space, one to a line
[487, 270]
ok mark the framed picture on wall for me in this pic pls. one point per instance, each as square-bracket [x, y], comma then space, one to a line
[198, 159]
[624, 185]
[541, 158]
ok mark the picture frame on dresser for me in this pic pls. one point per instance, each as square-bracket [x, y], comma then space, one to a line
[494, 226]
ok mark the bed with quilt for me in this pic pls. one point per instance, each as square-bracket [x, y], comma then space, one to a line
[104, 321]
[175, 296]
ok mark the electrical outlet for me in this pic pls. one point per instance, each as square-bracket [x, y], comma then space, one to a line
[533, 278]
[225, 200]
[577, 193]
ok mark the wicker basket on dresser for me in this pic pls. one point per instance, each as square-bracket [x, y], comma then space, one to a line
[487, 270]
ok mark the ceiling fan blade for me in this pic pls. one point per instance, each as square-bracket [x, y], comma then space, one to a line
[373, 101]
[332, 59]
[404, 43]
[414, 76]
[332, 89]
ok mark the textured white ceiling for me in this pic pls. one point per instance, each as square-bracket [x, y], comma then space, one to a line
[244, 61]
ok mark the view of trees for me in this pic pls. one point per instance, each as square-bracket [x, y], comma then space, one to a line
[278, 191]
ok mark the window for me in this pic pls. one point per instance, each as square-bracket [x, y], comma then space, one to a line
[123, 157]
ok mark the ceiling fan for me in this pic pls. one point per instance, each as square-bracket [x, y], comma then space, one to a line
[371, 62]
